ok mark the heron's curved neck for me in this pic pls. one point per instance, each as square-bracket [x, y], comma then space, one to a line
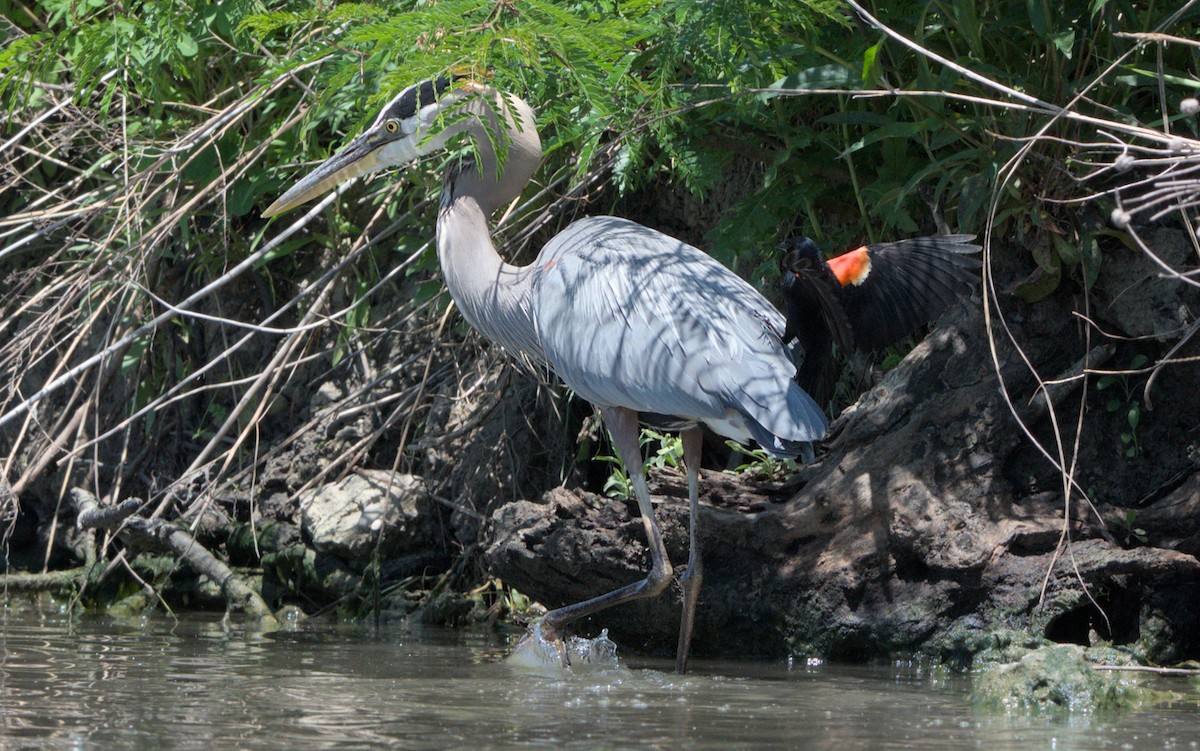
[493, 295]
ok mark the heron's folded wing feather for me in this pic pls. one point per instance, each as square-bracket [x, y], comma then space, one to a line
[631, 317]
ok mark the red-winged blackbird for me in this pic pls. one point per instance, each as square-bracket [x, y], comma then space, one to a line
[867, 298]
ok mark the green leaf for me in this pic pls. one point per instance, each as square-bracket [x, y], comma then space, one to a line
[870, 68]
[1147, 77]
[203, 168]
[1090, 258]
[976, 190]
[282, 250]
[240, 198]
[264, 24]
[187, 45]
[1067, 251]
[1037, 18]
[968, 22]
[1065, 42]
[891, 130]
[1044, 279]
[820, 77]
[133, 355]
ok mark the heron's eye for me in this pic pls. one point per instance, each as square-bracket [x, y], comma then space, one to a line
[392, 125]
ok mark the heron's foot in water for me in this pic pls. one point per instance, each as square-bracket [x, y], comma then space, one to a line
[541, 647]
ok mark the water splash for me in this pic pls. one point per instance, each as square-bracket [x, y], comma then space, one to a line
[600, 652]
[576, 654]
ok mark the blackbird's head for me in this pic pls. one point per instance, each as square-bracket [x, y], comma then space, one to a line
[799, 253]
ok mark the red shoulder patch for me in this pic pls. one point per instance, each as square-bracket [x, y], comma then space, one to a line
[851, 268]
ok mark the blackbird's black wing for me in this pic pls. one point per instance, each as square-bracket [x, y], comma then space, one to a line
[910, 283]
[817, 320]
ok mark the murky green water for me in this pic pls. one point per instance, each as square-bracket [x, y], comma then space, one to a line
[158, 684]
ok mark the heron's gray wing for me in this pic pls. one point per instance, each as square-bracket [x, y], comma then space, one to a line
[630, 317]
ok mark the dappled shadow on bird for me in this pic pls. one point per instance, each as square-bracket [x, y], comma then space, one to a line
[634, 321]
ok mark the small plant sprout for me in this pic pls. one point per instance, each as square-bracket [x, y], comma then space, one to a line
[1125, 401]
[1127, 529]
[760, 462]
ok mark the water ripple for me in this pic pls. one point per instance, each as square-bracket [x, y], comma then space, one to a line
[158, 684]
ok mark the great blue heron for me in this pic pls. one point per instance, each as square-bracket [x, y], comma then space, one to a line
[642, 325]
[868, 298]
[636, 322]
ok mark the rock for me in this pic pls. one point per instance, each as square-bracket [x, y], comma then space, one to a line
[347, 518]
[1141, 301]
[326, 394]
[333, 423]
[1055, 677]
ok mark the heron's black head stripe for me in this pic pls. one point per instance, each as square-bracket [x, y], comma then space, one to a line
[417, 96]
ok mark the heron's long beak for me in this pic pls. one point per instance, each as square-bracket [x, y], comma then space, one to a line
[365, 154]
[403, 132]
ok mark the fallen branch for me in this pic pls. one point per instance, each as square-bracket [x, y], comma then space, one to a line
[1149, 669]
[160, 534]
[90, 515]
[52, 580]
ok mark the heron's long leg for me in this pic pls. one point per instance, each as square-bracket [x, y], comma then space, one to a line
[690, 581]
[623, 425]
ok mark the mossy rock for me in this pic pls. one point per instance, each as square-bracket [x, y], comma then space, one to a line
[133, 606]
[1056, 677]
[1000, 646]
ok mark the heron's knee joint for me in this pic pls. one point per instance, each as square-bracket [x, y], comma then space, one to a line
[658, 579]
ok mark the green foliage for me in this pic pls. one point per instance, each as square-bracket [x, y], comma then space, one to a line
[761, 463]
[1126, 528]
[669, 453]
[519, 606]
[685, 91]
[149, 135]
[1126, 403]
